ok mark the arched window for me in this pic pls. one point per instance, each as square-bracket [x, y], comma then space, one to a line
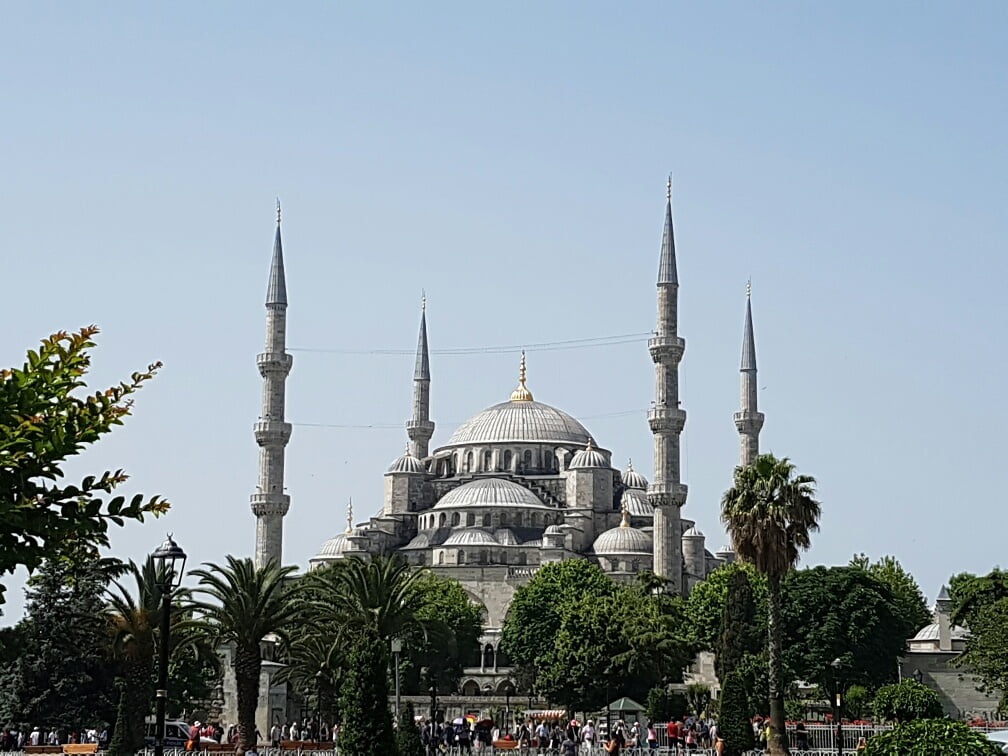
[461, 556]
[456, 518]
[441, 520]
[503, 557]
[507, 459]
[487, 461]
[470, 519]
[483, 557]
[521, 557]
[534, 519]
[486, 520]
[503, 519]
[527, 459]
[488, 656]
[440, 557]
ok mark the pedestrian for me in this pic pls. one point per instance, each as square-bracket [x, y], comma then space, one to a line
[862, 745]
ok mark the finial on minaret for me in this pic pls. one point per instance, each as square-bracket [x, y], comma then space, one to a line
[748, 288]
[423, 300]
[668, 188]
[521, 394]
[625, 522]
[349, 515]
[667, 273]
[278, 211]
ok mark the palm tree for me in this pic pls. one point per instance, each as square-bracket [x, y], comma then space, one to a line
[770, 513]
[246, 604]
[134, 622]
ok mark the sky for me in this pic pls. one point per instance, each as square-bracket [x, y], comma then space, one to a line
[510, 160]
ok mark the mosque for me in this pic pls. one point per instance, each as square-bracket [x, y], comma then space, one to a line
[518, 485]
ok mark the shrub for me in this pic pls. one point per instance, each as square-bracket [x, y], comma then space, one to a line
[906, 701]
[856, 702]
[408, 739]
[733, 722]
[932, 737]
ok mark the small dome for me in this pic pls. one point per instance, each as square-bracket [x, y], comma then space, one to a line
[407, 463]
[471, 537]
[553, 530]
[623, 540]
[489, 492]
[931, 633]
[633, 479]
[334, 547]
[726, 549]
[636, 503]
[693, 533]
[589, 457]
[420, 541]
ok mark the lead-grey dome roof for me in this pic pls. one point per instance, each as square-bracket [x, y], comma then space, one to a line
[590, 458]
[931, 633]
[407, 463]
[489, 492]
[623, 539]
[470, 537]
[334, 547]
[633, 479]
[520, 422]
[636, 502]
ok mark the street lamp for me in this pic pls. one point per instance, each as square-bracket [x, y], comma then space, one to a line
[318, 705]
[169, 560]
[396, 649]
[837, 664]
[508, 690]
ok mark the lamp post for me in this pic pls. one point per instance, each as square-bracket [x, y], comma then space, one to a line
[508, 690]
[318, 705]
[169, 559]
[396, 649]
[837, 664]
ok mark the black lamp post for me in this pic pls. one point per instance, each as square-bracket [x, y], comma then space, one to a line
[508, 690]
[169, 560]
[837, 664]
[318, 705]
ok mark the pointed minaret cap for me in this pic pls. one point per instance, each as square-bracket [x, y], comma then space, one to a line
[667, 273]
[748, 339]
[422, 371]
[521, 394]
[349, 516]
[276, 293]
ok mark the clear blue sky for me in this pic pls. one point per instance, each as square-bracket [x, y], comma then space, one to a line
[511, 160]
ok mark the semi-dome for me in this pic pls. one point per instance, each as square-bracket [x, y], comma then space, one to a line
[407, 463]
[633, 479]
[489, 492]
[623, 540]
[470, 537]
[636, 503]
[589, 458]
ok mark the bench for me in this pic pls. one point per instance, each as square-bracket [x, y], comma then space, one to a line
[505, 745]
[306, 745]
[43, 749]
[79, 748]
[217, 747]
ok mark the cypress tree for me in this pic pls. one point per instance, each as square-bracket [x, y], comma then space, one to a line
[740, 632]
[408, 735]
[367, 722]
[733, 721]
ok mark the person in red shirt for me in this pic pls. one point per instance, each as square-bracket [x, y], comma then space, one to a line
[673, 736]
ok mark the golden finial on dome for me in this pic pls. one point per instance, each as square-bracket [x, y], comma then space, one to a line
[349, 516]
[589, 446]
[629, 465]
[626, 517]
[521, 394]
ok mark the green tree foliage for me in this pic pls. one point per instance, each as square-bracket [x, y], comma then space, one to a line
[932, 737]
[857, 702]
[407, 736]
[664, 705]
[733, 719]
[538, 607]
[242, 604]
[62, 677]
[845, 613]
[911, 607]
[706, 604]
[741, 631]
[367, 723]
[986, 654]
[44, 420]
[447, 606]
[906, 701]
[771, 513]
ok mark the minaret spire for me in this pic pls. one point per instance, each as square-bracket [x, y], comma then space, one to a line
[270, 502]
[420, 428]
[748, 420]
[667, 493]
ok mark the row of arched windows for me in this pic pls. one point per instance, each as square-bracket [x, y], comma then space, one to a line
[483, 556]
[502, 519]
[542, 461]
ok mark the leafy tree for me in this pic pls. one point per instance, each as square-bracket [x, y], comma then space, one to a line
[447, 606]
[43, 422]
[367, 723]
[911, 607]
[733, 720]
[906, 701]
[971, 594]
[771, 513]
[706, 603]
[698, 697]
[840, 612]
[62, 676]
[243, 604]
[407, 736]
[537, 609]
[741, 631]
[664, 705]
[857, 702]
[932, 737]
[985, 653]
[654, 644]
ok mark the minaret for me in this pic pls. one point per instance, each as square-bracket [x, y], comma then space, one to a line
[420, 428]
[667, 493]
[270, 503]
[748, 419]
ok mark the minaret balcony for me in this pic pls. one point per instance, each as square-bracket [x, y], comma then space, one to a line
[667, 494]
[271, 363]
[666, 348]
[272, 432]
[269, 504]
[420, 428]
[666, 420]
[748, 422]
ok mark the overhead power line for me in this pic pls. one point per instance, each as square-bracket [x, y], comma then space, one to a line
[545, 346]
[399, 426]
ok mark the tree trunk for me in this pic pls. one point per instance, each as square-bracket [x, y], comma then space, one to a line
[247, 664]
[778, 742]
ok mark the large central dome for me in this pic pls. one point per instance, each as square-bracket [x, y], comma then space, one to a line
[521, 422]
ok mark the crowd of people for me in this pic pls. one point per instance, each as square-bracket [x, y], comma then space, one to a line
[16, 740]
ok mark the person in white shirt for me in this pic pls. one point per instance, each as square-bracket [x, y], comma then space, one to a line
[36, 737]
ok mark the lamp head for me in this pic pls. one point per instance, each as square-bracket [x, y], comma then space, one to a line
[170, 557]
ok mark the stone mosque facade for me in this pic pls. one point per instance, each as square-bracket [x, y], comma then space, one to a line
[518, 485]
